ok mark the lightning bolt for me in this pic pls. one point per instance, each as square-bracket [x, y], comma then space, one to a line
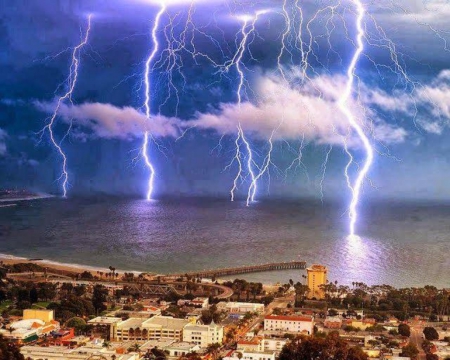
[72, 81]
[147, 104]
[248, 28]
[343, 106]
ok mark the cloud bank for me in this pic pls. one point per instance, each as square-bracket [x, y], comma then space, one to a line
[109, 121]
[279, 110]
[309, 110]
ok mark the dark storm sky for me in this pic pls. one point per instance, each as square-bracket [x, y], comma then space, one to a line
[406, 115]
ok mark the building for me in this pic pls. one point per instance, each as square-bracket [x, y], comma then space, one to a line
[155, 328]
[332, 322]
[316, 276]
[289, 323]
[203, 335]
[31, 328]
[178, 349]
[44, 315]
[80, 353]
[104, 326]
[274, 344]
[242, 307]
[198, 302]
[253, 345]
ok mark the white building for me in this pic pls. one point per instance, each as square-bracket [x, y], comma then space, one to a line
[80, 353]
[203, 335]
[155, 328]
[242, 307]
[274, 344]
[260, 344]
[178, 349]
[24, 331]
[290, 323]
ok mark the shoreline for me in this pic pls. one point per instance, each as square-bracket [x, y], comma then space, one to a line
[8, 259]
[68, 267]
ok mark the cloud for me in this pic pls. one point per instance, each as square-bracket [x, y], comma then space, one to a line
[428, 105]
[3, 136]
[109, 121]
[293, 112]
[279, 110]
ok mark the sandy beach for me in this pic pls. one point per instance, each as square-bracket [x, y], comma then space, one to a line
[68, 268]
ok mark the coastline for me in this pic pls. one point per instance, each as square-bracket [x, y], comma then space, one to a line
[77, 268]
[67, 267]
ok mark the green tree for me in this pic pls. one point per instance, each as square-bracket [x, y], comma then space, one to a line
[99, 298]
[411, 351]
[430, 333]
[330, 347]
[404, 330]
[33, 295]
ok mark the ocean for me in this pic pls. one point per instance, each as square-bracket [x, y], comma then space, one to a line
[401, 243]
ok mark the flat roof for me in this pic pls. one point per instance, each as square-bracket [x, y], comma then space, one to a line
[105, 320]
[182, 345]
[289, 318]
[131, 323]
[166, 322]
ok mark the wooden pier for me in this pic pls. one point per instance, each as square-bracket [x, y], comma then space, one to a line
[245, 269]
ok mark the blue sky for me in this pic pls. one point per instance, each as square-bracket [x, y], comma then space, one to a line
[401, 97]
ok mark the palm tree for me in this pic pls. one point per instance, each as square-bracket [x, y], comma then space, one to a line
[135, 347]
[213, 349]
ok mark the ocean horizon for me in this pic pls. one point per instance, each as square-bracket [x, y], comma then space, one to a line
[401, 243]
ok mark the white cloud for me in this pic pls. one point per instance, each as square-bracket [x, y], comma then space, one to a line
[310, 110]
[109, 121]
[287, 112]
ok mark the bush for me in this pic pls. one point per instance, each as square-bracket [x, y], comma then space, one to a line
[430, 333]
[404, 330]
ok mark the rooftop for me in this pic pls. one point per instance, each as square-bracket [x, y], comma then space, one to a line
[104, 320]
[166, 322]
[289, 318]
[131, 323]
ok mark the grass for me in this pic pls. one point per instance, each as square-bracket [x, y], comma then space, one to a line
[41, 305]
[5, 304]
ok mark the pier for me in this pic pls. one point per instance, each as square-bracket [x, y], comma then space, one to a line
[245, 269]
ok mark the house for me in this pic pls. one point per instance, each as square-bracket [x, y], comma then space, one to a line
[241, 307]
[332, 322]
[289, 323]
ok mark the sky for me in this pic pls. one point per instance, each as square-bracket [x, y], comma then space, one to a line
[401, 96]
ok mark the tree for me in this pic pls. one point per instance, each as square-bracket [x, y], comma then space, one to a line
[432, 357]
[430, 333]
[33, 295]
[404, 330]
[411, 351]
[77, 323]
[99, 298]
[330, 347]
[213, 349]
[9, 351]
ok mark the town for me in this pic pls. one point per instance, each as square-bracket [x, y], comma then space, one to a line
[54, 314]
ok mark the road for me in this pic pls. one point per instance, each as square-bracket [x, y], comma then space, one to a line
[417, 339]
